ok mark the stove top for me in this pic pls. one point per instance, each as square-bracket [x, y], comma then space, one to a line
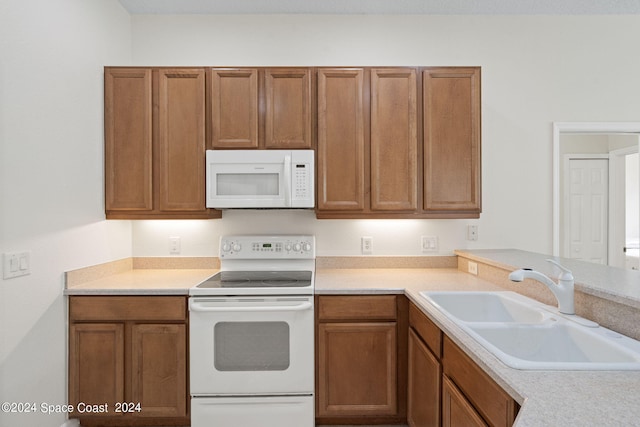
[259, 279]
[262, 265]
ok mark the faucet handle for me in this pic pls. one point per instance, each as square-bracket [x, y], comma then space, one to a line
[566, 273]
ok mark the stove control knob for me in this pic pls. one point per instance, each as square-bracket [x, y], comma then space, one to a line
[237, 247]
[297, 247]
[306, 247]
[287, 247]
[226, 247]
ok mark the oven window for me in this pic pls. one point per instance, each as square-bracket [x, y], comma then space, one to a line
[251, 346]
[247, 184]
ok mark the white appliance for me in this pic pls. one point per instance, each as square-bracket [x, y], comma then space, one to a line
[251, 335]
[260, 179]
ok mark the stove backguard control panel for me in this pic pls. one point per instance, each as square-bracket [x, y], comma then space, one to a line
[267, 247]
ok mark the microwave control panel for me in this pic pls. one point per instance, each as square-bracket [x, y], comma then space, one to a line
[301, 180]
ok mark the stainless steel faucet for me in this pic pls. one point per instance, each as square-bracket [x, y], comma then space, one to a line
[563, 290]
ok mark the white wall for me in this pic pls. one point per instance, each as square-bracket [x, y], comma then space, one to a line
[51, 186]
[535, 70]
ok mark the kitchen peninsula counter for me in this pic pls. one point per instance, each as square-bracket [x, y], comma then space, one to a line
[547, 398]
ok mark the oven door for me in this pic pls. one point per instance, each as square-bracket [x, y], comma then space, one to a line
[251, 345]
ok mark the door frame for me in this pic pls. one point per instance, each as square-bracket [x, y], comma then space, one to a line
[577, 127]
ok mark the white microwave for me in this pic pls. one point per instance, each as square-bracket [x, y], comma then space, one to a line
[260, 179]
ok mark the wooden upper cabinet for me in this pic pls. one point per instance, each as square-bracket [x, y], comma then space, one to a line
[234, 108]
[155, 143]
[451, 103]
[341, 139]
[128, 139]
[288, 108]
[181, 139]
[394, 139]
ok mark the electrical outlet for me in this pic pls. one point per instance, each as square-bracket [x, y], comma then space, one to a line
[473, 267]
[16, 264]
[174, 245]
[429, 243]
[367, 245]
[472, 232]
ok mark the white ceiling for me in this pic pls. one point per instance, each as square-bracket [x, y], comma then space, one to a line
[380, 7]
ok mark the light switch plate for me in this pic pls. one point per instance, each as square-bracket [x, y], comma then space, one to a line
[16, 264]
[429, 243]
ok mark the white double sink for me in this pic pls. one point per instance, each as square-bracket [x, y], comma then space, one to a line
[526, 334]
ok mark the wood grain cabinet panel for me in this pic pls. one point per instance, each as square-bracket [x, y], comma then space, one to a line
[234, 108]
[357, 369]
[495, 406]
[181, 140]
[361, 359]
[288, 114]
[423, 409]
[129, 353]
[456, 409]
[159, 358]
[451, 104]
[128, 139]
[96, 364]
[155, 143]
[394, 139]
[341, 139]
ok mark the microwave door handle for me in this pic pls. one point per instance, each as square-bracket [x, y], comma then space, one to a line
[287, 180]
[195, 306]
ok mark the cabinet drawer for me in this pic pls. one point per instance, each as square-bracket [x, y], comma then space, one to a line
[493, 403]
[357, 307]
[121, 308]
[426, 329]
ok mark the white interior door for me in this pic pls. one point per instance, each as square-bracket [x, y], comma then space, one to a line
[586, 223]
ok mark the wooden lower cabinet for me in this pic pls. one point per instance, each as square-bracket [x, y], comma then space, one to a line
[456, 409]
[129, 356]
[446, 387]
[423, 407]
[361, 359]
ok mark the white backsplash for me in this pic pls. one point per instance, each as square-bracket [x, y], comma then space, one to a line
[333, 237]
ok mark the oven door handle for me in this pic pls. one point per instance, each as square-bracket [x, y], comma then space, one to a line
[197, 306]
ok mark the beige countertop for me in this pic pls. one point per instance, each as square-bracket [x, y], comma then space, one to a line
[141, 276]
[548, 398]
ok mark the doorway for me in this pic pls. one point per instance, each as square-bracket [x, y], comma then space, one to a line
[596, 192]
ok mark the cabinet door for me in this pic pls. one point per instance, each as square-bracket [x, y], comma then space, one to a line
[341, 139]
[486, 396]
[393, 139]
[288, 108]
[451, 98]
[425, 375]
[456, 410]
[234, 108]
[181, 140]
[159, 369]
[128, 139]
[96, 364]
[357, 369]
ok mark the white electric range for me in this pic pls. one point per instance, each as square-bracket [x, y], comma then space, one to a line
[251, 335]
